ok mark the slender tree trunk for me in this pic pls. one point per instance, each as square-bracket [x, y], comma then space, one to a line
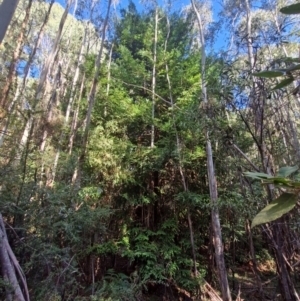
[75, 117]
[75, 78]
[36, 46]
[219, 252]
[108, 77]
[154, 76]
[10, 269]
[10, 110]
[91, 99]
[7, 10]
[47, 68]
[71, 103]
[16, 56]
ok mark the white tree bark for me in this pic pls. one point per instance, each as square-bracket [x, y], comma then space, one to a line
[154, 76]
[46, 70]
[10, 269]
[213, 188]
[91, 100]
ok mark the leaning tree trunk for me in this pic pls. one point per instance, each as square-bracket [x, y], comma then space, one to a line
[36, 46]
[45, 71]
[15, 59]
[213, 189]
[11, 269]
[7, 10]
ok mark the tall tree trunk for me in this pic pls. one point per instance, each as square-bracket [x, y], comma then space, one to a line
[21, 88]
[47, 68]
[15, 58]
[108, 77]
[71, 103]
[91, 100]
[10, 269]
[75, 117]
[217, 239]
[154, 76]
[36, 46]
[7, 10]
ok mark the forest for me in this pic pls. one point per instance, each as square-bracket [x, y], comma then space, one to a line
[149, 150]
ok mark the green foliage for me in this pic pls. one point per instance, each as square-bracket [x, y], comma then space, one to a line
[129, 203]
[284, 203]
[269, 74]
[291, 9]
[119, 287]
[284, 83]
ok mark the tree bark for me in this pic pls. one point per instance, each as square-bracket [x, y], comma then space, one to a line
[16, 55]
[217, 234]
[36, 46]
[45, 71]
[10, 269]
[154, 76]
[91, 100]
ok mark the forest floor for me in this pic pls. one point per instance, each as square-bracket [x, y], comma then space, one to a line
[243, 284]
[246, 283]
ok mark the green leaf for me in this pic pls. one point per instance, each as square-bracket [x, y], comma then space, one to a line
[293, 68]
[284, 83]
[269, 74]
[291, 9]
[288, 60]
[285, 203]
[287, 171]
[257, 175]
[277, 181]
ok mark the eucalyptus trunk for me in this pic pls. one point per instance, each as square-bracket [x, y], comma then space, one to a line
[91, 101]
[154, 75]
[36, 46]
[47, 68]
[10, 267]
[15, 59]
[213, 189]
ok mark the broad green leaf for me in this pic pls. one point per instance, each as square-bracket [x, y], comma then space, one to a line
[277, 181]
[291, 9]
[257, 175]
[295, 184]
[288, 60]
[269, 74]
[284, 83]
[293, 68]
[287, 171]
[285, 203]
